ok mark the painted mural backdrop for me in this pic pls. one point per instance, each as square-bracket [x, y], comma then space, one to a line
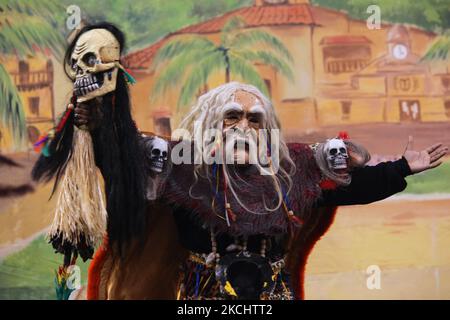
[379, 70]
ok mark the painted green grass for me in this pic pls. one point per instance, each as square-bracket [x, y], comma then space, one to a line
[29, 273]
[432, 181]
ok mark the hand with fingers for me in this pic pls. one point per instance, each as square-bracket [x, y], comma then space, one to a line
[428, 158]
[81, 115]
[87, 116]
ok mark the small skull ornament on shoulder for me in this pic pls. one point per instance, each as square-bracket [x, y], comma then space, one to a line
[159, 154]
[337, 154]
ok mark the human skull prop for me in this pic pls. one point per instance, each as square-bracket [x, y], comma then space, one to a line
[158, 154]
[337, 155]
[94, 64]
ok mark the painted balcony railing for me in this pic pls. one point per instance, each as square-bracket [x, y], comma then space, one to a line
[32, 80]
[345, 66]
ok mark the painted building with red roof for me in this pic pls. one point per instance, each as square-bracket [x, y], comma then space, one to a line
[344, 73]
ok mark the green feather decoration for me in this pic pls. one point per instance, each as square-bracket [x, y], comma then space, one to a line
[129, 77]
[46, 150]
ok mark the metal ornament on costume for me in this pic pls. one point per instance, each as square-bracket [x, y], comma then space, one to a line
[245, 275]
[337, 154]
[159, 154]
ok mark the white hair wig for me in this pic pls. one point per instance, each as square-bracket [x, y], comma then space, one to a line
[208, 112]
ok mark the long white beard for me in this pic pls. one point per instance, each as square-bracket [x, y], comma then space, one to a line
[237, 143]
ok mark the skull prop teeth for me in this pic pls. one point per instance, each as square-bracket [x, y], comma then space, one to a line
[94, 64]
[158, 155]
[337, 154]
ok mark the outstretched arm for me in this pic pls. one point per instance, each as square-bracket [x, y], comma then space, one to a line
[374, 183]
[369, 184]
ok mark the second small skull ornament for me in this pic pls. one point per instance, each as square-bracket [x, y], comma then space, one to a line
[158, 154]
[337, 154]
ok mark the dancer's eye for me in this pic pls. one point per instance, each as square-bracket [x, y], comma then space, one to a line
[232, 117]
[255, 119]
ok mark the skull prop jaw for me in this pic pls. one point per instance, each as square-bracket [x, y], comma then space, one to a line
[94, 64]
[158, 155]
[337, 154]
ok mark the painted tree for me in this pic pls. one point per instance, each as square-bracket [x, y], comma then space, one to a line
[25, 27]
[440, 49]
[189, 61]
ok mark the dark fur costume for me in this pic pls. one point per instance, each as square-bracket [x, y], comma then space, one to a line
[285, 237]
[368, 184]
[251, 187]
[316, 208]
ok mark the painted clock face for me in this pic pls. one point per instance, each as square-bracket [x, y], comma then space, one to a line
[400, 51]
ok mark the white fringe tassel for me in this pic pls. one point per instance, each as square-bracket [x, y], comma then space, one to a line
[80, 209]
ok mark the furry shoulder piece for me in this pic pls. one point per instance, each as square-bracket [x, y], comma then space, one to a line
[202, 194]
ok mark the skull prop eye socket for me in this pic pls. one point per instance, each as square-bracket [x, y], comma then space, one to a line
[90, 59]
[74, 65]
[94, 64]
[336, 154]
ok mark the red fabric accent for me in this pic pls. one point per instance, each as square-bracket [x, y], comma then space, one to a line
[327, 184]
[303, 253]
[95, 269]
[343, 135]
[296, 220]
[64, 120]
[231, 214]
[129, 72]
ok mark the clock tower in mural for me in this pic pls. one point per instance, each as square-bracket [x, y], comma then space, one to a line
[399, 43]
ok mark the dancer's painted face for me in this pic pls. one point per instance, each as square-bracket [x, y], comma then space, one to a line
[242, 118]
